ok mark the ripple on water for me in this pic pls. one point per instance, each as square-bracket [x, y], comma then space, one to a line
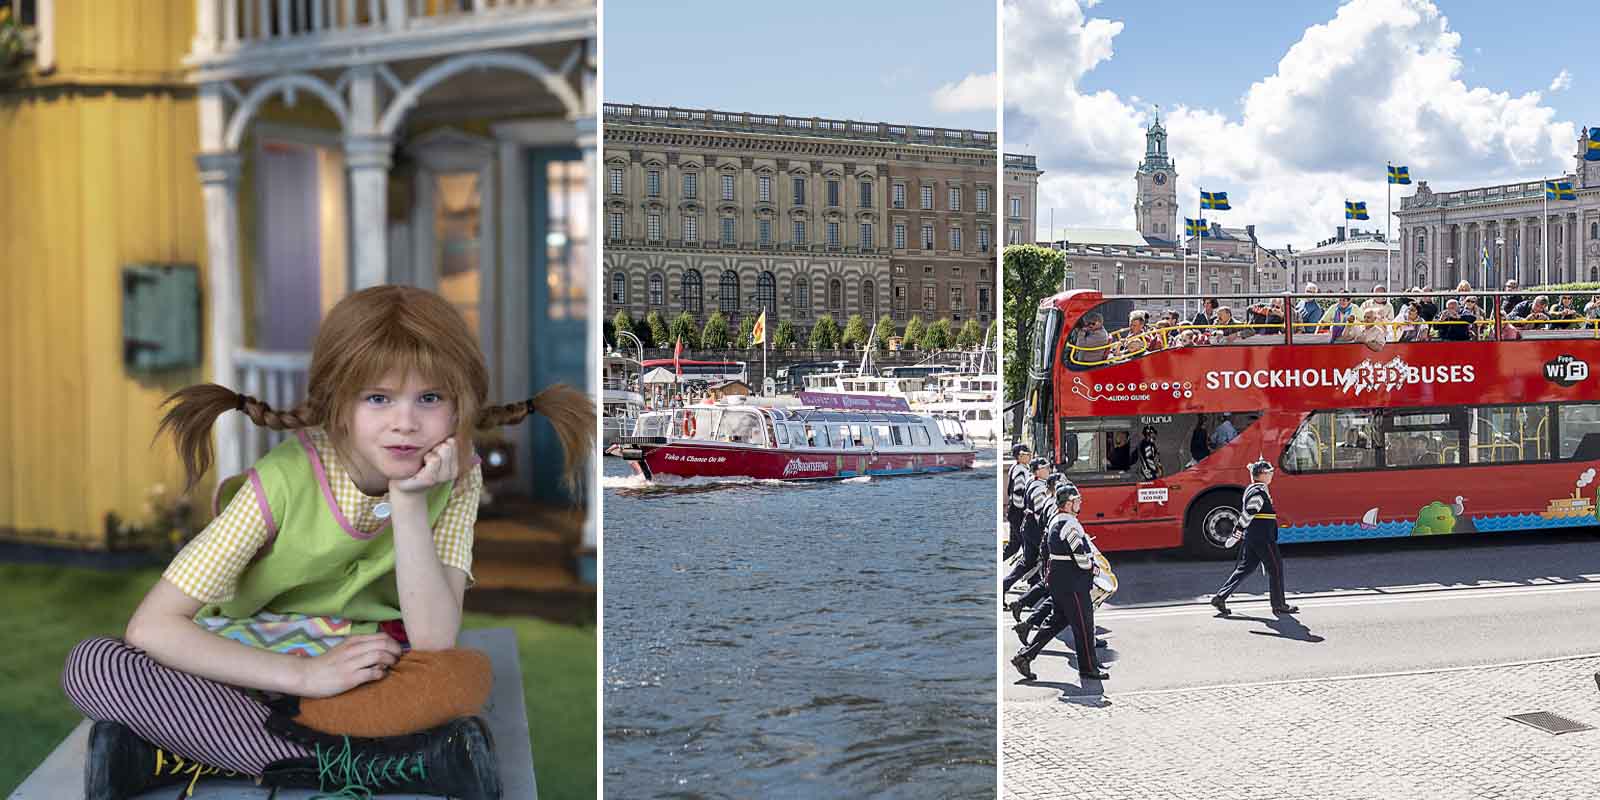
[820, 639]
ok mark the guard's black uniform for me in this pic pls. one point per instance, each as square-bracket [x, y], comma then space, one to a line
[1071, 576]
[1258, 522]
[1016, 495]
[1034, 515]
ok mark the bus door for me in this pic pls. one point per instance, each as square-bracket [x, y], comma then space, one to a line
[1098, 453]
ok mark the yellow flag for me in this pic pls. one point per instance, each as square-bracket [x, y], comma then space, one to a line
[758, 334]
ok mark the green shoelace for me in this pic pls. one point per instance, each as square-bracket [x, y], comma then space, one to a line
[340, 765]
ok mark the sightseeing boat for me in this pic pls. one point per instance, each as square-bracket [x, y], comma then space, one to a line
[817, 436]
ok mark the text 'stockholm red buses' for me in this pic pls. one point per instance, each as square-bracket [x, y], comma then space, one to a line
[1371, 438]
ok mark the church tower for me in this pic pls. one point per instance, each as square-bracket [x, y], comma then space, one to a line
[1155, 207]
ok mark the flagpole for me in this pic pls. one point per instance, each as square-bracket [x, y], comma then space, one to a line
[1347, 219]
[1200, 262]
[1388, 230]
[1544, 238]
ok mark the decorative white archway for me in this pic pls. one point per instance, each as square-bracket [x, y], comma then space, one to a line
[516, 62]
[286, 84]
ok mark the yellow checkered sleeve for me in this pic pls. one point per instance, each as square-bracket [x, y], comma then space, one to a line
[453, 533]
[208, 568]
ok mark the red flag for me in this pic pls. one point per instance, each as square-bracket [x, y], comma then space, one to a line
[677, 350]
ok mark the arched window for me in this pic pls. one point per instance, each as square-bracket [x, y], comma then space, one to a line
[1594, 230]
[869, 301]
[692, 291]
[1594, 273]
[802, 296]
[1422, 243]
[656, 282]
[728, 298]
[767, 293]
[835, 295]
[619, 287]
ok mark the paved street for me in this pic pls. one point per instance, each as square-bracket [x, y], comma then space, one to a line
[1392, 681]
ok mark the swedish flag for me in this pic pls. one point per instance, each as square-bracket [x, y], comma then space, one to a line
[1592, 151]
[1197, 227]
[1215, 200]
[1401, 175]
[1559, 190]
[1355, 210]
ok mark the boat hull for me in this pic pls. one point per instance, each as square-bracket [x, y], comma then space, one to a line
[721, 460]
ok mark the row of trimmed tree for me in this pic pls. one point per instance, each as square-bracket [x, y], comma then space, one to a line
[655, 331]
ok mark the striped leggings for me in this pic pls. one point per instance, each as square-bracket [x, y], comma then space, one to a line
[199, 719]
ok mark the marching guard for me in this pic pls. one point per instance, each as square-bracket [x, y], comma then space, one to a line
[1258, 525]
[1037, 502]
[1071, 575]
[1017, 479]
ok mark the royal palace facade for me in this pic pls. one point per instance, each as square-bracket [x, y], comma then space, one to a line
[1443, 234]
[709, 211]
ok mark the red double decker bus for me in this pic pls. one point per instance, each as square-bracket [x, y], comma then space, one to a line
[1371, 438]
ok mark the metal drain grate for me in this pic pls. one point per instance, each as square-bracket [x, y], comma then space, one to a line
[1550, 723]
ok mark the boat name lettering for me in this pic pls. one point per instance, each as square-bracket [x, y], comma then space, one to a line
[696, 459]
[1368, 376]
[797, 466]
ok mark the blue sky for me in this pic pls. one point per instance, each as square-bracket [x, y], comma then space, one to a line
[1292, 106]
[857, 60]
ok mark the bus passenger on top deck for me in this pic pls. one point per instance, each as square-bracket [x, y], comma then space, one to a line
[1090, 340]
[1208, 311]
[1529, 314]
[1379, 302]
[1413, 329]
[1455, 324]
[1137, 338]
[1308, 310]
[1267, 317]
[1565, 314]
[1226, 330]
[1342, 311]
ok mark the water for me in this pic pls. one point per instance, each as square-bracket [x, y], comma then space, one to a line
[772, 639]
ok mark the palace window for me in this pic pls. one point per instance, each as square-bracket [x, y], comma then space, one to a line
[833, 234]
[652, 183]
[653, 227]
[764, 189]
[836, 295]
[833, 194]
[866, 194]
[691, 229]
[691, 185]
[614, 225]
[899, 237]
[927, 237]
[767, 293]
[728, 297]
[693, 291]
[927, 198]
[866, 236]
[655, 288]
[955, 198]
[729, 236]
[614, 180]
[727, 187]
[619, 287]
[898, 199]
[955, 239]
[799, 232]
[764, 232]
[983, 200]
[799, 185]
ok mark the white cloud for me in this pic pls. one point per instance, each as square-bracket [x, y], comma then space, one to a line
[972, 93]
[1380, 80]
[1561, 82]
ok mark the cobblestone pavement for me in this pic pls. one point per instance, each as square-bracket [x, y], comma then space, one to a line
[1438, 735]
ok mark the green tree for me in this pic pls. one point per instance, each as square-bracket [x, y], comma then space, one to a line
[623, 323]
[715, 335]
[684, 329]
[937, 336]
[970, 335]
[885, 330]
[783, 338]
[913, 337]
[746, 328]
[855, 332]
[609, 331]
[988, 335]
[660, 336]
[825, 334]
[1032, 273]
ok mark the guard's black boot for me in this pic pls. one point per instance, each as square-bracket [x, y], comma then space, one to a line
[1024, 666]
[1285, 609]
[120, 764]
[1101, 643]
[1021, 630]
[1015, 607]
[454, 759]
[1221, 604]
[1096, 674]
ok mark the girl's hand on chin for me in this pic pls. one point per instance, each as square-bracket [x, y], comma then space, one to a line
[439, 465]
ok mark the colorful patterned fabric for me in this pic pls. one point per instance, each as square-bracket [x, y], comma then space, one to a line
[294, 634]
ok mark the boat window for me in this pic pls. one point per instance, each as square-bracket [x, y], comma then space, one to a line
[919, 435]
[740, 426]
[1580, 432]
[816, 435]
[1508, 434]
[899, 434]
[782, 434]
[857, 436]
[880, 435]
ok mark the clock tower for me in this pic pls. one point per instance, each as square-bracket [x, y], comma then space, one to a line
[1155, 207]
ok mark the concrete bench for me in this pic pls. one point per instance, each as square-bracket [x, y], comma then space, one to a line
[61, 774]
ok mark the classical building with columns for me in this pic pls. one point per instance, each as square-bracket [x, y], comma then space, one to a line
[1372, 260]
[1443, 234]
[709, 211]
[349, 144]
[1022, 197]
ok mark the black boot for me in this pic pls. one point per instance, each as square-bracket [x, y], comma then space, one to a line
[1021, 630]
[454, 759]
[120, 764]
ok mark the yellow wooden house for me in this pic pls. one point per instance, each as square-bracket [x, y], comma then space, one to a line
[291, 151]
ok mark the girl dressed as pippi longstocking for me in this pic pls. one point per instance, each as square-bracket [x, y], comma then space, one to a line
[306, 637]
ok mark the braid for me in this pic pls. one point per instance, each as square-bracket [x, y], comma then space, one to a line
[571, 413]
[267, 417]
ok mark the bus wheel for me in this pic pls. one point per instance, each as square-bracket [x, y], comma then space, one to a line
[1210, 523]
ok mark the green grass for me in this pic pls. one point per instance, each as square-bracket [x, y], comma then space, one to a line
[49, 609]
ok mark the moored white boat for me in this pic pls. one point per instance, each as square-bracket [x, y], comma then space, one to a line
[786, 440]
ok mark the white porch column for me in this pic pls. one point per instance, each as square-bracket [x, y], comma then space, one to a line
[587, 121]
[219, 180]
[366, 156]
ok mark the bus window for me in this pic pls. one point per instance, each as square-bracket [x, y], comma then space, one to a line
[1508, 434]
[1580, 432]
[1334, 440]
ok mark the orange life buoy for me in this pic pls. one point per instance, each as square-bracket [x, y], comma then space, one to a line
[688, 426]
